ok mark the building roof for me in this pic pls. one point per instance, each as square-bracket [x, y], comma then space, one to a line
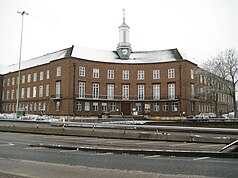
[136, 57]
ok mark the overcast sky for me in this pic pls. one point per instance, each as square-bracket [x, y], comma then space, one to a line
[198, 28]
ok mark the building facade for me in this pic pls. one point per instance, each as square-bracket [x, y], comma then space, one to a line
[86, 82]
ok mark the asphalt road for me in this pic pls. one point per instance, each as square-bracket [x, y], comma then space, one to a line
[17, 158]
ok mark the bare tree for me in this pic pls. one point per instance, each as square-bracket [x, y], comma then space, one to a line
[225, 66]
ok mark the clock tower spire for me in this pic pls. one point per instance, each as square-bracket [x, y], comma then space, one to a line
[124, 47]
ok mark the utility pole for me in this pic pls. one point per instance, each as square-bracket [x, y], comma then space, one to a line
[19, 69]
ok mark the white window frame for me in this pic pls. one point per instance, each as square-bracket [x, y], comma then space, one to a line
[41, 75]
[156, 91]
[140, 75]
[34, 91]
[48, 74]
[29, 78]
[28, 92]
[47, 90]
[95, 73]
[23, 79]
[125, 75]
[125, 92]
[110, 74]
[96, 88]
[141, 92]
[81, 71]
[35, 77]
[41, 91]
[82, 89]
[58, 71]
[171, 91]
[110, 91]
[156, 74]
[171, 73]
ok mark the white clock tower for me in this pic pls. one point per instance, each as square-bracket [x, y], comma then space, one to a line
[124, 47]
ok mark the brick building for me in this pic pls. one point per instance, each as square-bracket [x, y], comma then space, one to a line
[87, 82]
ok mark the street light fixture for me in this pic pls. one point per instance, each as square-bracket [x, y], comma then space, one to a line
[19, 69]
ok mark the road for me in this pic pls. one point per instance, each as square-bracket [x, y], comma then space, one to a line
[17, 158]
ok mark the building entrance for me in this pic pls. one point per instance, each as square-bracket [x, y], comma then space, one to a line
[126, 108]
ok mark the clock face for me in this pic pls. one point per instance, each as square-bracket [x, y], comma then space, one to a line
[125, 51]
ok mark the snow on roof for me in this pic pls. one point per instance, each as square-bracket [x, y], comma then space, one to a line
[136, 57]
[35, 61]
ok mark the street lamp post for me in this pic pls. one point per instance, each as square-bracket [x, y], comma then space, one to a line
[19, 67]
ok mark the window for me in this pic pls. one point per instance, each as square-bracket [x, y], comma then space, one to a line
[156, 91]
[78, 106]
[110, 91]
[28, 92]
[48, 74]
[95, 106]
[104, 107]
[192, 91]
[113, 107]
[39, 107]
[156, 107]
[35, 77]
[23, 79]
[13, 81]
[8, 82]
[47, 90]
[156, 74]
[87, 106]
[22, 92]
[57, 89]
[34, 92]
[140, 75]
[125, 92]
[201, 79]
[3, 95]
[138, 106]
[57, 108]
[81, 71]
[95, 90]
[175, 106]
[35, 106]
[4, 83]
[41, 91]
[95, 73]
[41, 75]
[125, 74]
[171, 73]
[30, 106]
[58, 71]
[81, 89]
[192, 74]
[110, 74]
[141, 92]
[12, 95]
[165, 107]
[171, 91]
[29, 78]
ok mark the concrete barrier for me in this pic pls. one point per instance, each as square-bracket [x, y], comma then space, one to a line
[119, 134]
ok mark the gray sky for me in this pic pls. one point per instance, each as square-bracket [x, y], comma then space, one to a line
[198, 28]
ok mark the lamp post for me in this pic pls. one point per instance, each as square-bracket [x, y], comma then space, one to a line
[19, 67]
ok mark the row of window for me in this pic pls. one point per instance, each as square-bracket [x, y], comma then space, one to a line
[29, 92]
[126, 74]
[125, 91]
[96, 106]
[28, 78]
[87, 106]
[28, 107]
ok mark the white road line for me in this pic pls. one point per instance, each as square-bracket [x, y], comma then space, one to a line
[145, 143]
[183, 144]
[207, 146]
[152, 157]
[202, 158]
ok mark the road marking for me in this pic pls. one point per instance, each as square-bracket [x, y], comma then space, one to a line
[206, 146]
[183, 144]
[202, 158]
[152, 157]
[104, 154]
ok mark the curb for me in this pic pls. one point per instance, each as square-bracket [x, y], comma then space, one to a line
[147, 152]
